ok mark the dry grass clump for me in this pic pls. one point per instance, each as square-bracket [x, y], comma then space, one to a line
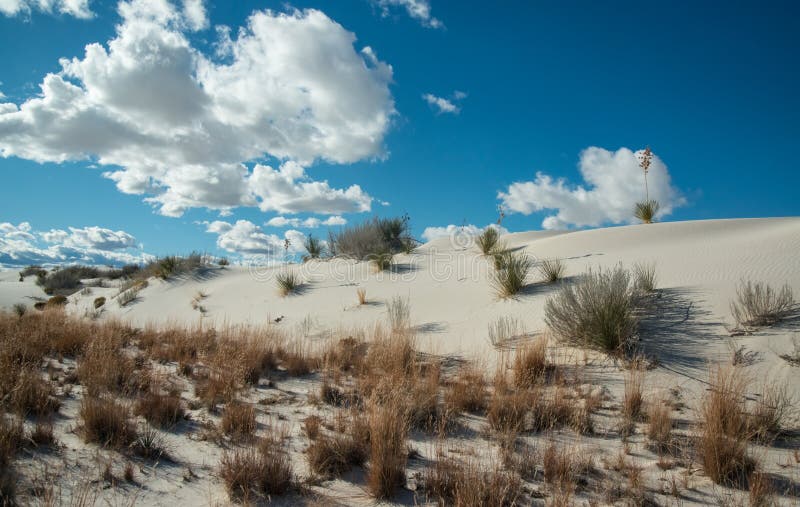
[332, 456]
[644, 277]
[361, 294]
[256, 472]
[758, 304]
[659, 428]
[174, 265]
[761, 490]
[551, 270]
[504, 330]
[467, 392]
[27, 393]
[596, 312]
[507, 410]
[487, 240]
[106, 422]
[381, 261]
[722, 443]
[388, 452]
[399, 313]
[104, 366]
[531, 365]
[345, 355]
[449, 482]
[632, 400]
[11, 442]
[509, 278]
[238, 420]
[288, 282]
[768, 415]
[379, 235]
[161, 410]
[98, 302]
[42, 434]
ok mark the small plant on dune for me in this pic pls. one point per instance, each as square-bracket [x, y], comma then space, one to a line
[382, 261]
[725, 430]
[255, 472]
[468, 391]
[161, 410]
[450, 482]
[644, 277]
[646, 211]
[530, 364]
[632, 400]
[388, 451]
[399, 312]
[758, 304]
[770, 413]
[98, 302]
[313, 246]
[552, 270]
[239, 420]
[487, 240]
[510, 278]
[288, 282]
[331, 456]
[504, 330]
[659, 429]
[106, 422]
[362, 296]
[597, 312]
[223, 261]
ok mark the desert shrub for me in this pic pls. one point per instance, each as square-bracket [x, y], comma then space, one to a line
[376, 236]
[174, 265]
[399, 313]
[530, 364]
[239, 420]
[644, 276]
[331, 456]
[42, 434]
[33, 269]
[255, 472]
[126, 297]
[106, 422]
[450, 482]
[509, 278]
[20, 309]
[313, 246]
[646, 210]
[98, 302]
[724, 433]
[758, 304]
[161, 410]
[149, 443]
[597, 312]
[104, 367]
[66, 279]
[311, 426]
[288, 282]
[12, 437]
[551, 270]
[126, 271]
[467, 392]
[487, 240]
[388, 451]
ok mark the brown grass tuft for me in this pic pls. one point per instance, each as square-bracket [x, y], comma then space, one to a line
[387, 460]
[238, 420]
[467, 392]
[633, 400]
[531, 366]
[161, 410]
[362, 296]
[331, 456]
[450, 482]
[106, 422]
[252, 473]
[659, 429]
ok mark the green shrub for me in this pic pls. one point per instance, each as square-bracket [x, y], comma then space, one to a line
[552, 270]
[597, 312]
[509, 278]
[373, 237]
[288, 282]
[487, 240]
[758, 304]
[313, 246]
[646, 210]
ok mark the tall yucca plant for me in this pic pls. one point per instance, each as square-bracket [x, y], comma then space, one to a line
[647, 209]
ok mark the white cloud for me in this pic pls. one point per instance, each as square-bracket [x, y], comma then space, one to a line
[247, 239]
[77, 8]
[308, 223]
[614, 183]
[178, 125]
[21, 246]
[417, 9]
[444, 105]
[470, 230]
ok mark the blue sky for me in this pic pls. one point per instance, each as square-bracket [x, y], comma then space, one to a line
[567, 91]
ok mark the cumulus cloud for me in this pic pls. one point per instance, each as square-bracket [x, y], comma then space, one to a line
[77, 8]
[444, 105]
[470, 230]
[308, 223]
[417, 9]
[248, 240]
[179, 126]
[21, 246]
[613, 184]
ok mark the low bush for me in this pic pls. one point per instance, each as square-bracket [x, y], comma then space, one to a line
[758, 304]
[596, 312]
[510, 277]
[487, 240]
[174, 265]
[288, 282]
[468, 391]
[399, 313]
[531, 365]
[161, 410]
[373, 237]
[450, 482]
[66, 280]
[552, 270]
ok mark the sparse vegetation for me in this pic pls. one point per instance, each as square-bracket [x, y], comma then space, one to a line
[65, 280]
[596, 312]
[644, 277]
[450, 482]
[509, 279]
[98, 302]
[255, 472]
[175, 265]
[387, 458]
[758, 304]
[379, 236]
[659, 429]
[106, 422]
[382, 261]
[399, 313]
[20, 309]
[646, 211]
[504, 330]
[288, 282]
[362, 296]
[313, 246]
[552, 270]
[239, 420]
[531, 366]
[331, 456]
[468, 391]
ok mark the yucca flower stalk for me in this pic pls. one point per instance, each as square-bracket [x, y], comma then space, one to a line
[644, 162]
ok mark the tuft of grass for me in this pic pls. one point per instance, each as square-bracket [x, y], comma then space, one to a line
[379, 235]
[531, 366]
[288, 282]
[644, 277]
[42, 435]
[450, 482]
[239, 420]
[382, 261]
[659, 428]
[332, 456]
[161, 410]
[646, 211]
[504, 330]
[724, 434]
[399, 314]
[106, 422]
[388, 451]
[510, 277]
[597, 312]
[313, 246]
[768, 418]
[632, 400]
[362, 296]
[468, 391]
[507, 410]
[32, 395]
[256, 472]
[552, 270]
[758, 304]
[487, 240]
